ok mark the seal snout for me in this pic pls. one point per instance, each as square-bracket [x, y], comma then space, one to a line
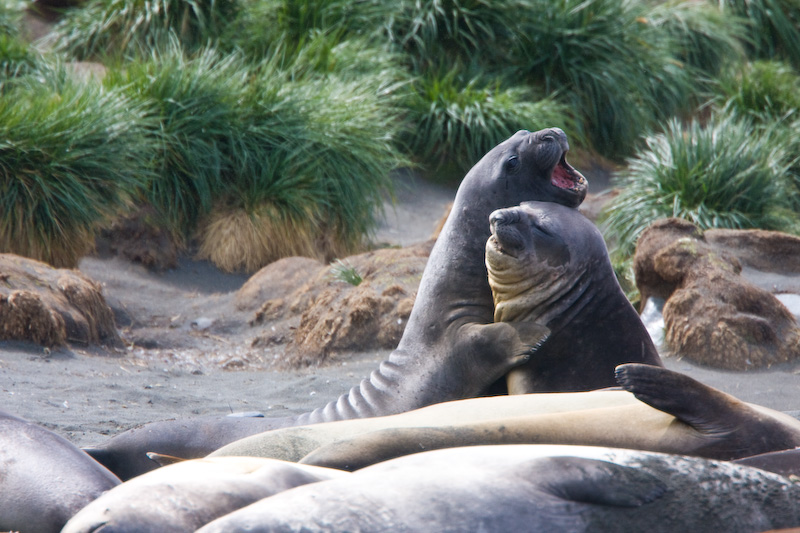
[503, 217]
[505, 236]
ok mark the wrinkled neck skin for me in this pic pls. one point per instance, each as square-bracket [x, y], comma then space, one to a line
[540, 297]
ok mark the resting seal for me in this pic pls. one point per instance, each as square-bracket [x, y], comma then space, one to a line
[294, 443]
[450, 348]
[185, 496]
[531, 488]
[549, 265]
[44, 479]
[674, 414]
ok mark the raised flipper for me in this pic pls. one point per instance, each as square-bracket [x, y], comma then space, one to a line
[729, 428]
[705, 408]
[601, 483]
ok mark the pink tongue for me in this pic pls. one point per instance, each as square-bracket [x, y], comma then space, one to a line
[561, 178]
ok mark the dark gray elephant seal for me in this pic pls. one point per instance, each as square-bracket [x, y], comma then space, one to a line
[181, 497]
[44, 479]
[531, 488]
[675, 414]
[450, 348]
[549, 265]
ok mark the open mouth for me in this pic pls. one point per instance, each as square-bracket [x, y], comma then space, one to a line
[566, 177]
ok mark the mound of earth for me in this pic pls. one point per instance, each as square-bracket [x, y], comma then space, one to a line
[326, 315]
[50, 306]
[713, 315]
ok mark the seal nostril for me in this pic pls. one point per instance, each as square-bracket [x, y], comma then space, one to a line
[497, 217]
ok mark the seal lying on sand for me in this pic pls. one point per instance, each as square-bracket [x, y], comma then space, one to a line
[44, 479]
[450, 348]
[532, 488]
[185, 496]
[548, 264]
[674, 414]
[294, 443]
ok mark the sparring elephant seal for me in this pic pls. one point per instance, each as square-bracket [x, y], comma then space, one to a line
[450, 348]
[674, 414]
[182, 497]
[44, 479]
[549, 265]
[531, 488]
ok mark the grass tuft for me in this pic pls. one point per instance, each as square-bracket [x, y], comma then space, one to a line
[773, 30]
[196, 107]
[345, 272]
[130, 28]
[618, 72]
[727, 174]
[71, 156]
[453, 123]
[764, 90]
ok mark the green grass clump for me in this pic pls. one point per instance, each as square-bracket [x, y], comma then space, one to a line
[345, 272]
[619, 73]
[116, 28]
[199, 111]
[263, 27]
[264, 154]
[336, 143]
[71, 156]
[453, 123]
[765, 90]
[773, 30]
[726, 174]
[702, 36]
[431, 32]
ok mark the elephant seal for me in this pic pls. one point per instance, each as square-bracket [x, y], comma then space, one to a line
[531, 488]
[44, 479]
[184, 496]
[674, 414]
[783, 462]
[294, 443]
[549, 265]
[450, 348]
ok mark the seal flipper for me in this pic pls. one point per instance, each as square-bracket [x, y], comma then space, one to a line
[705, 408]
[602, 483]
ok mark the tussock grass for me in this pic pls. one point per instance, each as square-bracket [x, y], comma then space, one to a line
[773, 30]
[453, 123]
[264, 26]
[702, 35]
[237, 240]
[765, 90]
[71, 155]
[197, 109]
[116, 28]
[454, 30]
[609, 63]
[234, 138]
[727, 174]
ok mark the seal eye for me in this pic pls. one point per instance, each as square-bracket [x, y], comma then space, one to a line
[512, 162]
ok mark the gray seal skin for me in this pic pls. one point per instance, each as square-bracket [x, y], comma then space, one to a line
[450, 348]
[674, 414]
[531, 488]
[549, 265]
[181, 497]
[44, 479]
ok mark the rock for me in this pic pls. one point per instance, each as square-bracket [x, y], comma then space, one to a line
[52, 307]
[712, 315]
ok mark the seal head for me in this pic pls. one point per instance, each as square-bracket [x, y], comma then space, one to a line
[548, 264]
